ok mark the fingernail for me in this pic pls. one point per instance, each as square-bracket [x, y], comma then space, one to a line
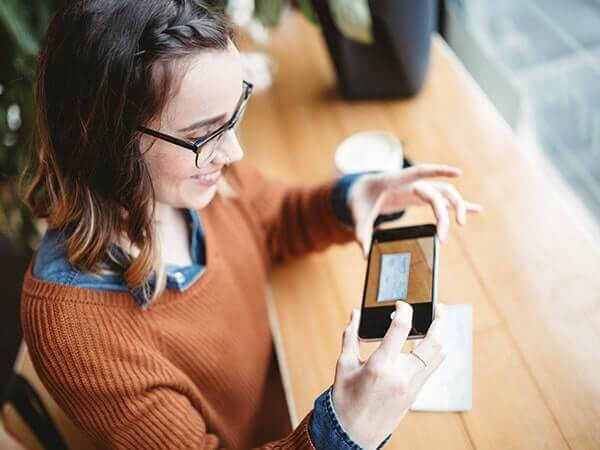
[403, 308]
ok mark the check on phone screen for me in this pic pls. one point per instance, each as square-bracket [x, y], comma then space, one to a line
[401, 270]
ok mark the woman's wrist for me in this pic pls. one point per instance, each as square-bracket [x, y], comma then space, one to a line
[326, 431]
[373, 183]
[360, 433]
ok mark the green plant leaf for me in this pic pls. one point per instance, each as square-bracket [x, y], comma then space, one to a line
[22, 25]
[14, 20]
[268, 12]
[305, 7]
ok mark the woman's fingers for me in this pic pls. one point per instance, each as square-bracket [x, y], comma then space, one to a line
[431, 347]
[350, 356]
[456, 201]
[421, 171]
[429, 194]
[423, 375]
[411, 370]
[426, 355]
[436, 358]
[473, 207]
[396, 335]
[364, 229]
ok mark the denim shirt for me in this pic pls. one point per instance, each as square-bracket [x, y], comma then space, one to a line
[52, 265]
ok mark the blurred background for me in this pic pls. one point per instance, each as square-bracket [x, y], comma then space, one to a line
[539, 62]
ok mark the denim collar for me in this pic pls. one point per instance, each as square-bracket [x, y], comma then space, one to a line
[51, 264]
[178, 277]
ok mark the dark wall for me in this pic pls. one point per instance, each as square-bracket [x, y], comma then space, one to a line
[12, 269]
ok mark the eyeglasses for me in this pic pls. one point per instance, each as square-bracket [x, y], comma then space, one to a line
[205, 147]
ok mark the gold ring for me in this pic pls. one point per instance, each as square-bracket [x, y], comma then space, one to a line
[419, 358]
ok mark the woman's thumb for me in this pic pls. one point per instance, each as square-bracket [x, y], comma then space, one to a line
[350, 347]
[363, 236]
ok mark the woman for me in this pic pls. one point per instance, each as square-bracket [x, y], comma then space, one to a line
[143, 308]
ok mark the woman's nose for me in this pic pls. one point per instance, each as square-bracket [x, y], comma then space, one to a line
[230, 148]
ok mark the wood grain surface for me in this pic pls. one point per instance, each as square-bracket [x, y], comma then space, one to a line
[529, 265]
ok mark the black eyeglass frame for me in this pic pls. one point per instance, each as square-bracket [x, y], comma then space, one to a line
[198, 143]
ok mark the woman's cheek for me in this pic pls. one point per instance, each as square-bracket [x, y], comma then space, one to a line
[168, 175]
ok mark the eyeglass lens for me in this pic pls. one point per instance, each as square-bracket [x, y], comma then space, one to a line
[207, 152]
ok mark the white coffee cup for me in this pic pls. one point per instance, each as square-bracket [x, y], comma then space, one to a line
[369, 150]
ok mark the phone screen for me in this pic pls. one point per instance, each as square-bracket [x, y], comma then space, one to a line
[399, 270]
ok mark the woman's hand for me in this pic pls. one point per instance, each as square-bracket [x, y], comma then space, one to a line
[390, 192]
[371, 397]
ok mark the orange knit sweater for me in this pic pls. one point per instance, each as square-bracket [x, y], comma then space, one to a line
[195, 370]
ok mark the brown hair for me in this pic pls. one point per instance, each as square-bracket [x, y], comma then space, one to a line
[106, 67]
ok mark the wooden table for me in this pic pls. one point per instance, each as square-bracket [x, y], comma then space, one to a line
[529, 265]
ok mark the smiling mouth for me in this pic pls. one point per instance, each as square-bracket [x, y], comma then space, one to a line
[208, 178]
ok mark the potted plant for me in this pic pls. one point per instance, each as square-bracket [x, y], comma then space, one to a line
[379, 48]
[394, 62]
[21, 29]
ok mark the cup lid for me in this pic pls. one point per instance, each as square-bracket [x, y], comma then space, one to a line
[369, 150]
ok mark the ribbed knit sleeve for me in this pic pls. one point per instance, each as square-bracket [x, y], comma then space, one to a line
[294, 220]
[108, 376]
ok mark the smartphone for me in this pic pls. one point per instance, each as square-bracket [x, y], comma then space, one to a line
[402, 267]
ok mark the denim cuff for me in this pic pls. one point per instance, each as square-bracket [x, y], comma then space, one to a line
[325, 429]
[341, 201]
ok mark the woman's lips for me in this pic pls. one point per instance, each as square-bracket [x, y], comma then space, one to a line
[208, 179]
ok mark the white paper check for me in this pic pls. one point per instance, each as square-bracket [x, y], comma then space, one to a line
[450, 387]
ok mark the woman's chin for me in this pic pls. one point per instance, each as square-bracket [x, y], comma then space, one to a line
[200, 196]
